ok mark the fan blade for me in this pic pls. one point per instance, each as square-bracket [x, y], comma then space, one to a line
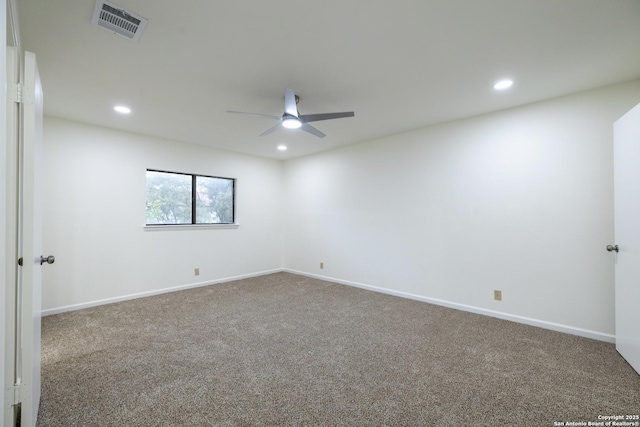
[306, 118]
[254, 114]
[268, 131]
[290, 106]
[308, 128]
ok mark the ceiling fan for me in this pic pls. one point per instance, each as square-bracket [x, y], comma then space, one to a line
[292, 119]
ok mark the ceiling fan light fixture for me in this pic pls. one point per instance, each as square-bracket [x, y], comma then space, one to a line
[292, 119]
[291, 123]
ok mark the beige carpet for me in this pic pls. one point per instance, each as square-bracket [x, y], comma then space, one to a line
[284, 350]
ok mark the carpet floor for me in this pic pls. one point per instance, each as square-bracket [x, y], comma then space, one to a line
[288, 350]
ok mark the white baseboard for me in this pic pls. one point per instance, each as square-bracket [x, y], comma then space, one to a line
[600, 336]
[57, 310]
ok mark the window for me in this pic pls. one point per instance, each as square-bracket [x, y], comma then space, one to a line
[178, 198]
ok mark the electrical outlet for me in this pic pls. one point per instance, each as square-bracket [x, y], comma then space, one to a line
[497, 295]
[321, 265]
[196, 271]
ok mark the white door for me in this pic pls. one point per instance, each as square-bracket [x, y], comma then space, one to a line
[627, 234]
[31, 230]
[22, 332]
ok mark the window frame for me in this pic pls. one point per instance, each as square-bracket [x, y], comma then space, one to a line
[193, 223]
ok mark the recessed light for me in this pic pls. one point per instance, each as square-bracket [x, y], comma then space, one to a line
[503, 84]
[122, 109]
[282, 147]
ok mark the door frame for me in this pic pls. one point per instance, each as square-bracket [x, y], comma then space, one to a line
[8, 213]
[3, 189]
[11, 245]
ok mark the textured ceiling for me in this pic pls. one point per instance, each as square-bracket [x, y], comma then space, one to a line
[399, 65]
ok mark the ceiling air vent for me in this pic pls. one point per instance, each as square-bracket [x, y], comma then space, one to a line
[117, 20]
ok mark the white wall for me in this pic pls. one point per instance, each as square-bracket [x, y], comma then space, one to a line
[520, 200]
[95, 212]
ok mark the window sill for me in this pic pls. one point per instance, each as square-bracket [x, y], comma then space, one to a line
[190, 227]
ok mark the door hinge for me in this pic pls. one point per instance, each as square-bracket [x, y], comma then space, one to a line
[20, 94]
[14, 395]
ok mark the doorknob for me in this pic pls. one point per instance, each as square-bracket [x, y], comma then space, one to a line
[49, 260]
[613, 248]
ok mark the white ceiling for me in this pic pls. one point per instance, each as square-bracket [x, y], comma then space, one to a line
[400, 65]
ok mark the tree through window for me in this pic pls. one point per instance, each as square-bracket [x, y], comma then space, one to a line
[178, 198]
